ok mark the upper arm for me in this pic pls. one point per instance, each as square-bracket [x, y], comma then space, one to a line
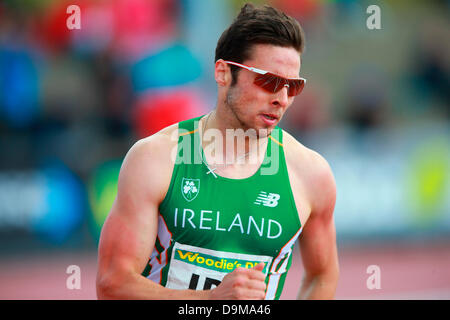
[318, 238]
[129, 232]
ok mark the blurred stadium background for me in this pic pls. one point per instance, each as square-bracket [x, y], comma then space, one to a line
[72, 102]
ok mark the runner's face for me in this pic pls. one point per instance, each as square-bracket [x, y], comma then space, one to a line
[251, 104]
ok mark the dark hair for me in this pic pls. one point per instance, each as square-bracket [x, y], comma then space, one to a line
[257, 25]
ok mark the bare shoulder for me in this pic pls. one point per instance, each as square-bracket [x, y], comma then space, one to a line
[313, 171]
[148, 165]
[158, 145]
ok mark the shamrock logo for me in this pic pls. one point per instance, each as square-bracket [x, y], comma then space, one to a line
[190, 188]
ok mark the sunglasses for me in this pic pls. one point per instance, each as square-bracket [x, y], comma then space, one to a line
[273, 83]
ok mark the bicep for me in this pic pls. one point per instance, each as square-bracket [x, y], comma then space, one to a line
[129, 232]
[127, 240]
[317, 245]
[318, 239]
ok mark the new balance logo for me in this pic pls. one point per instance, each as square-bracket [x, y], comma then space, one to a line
[267, 199]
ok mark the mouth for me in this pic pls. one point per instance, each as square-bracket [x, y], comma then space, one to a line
[269, 118]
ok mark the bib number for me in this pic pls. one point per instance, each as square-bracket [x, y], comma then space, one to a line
[203, 269]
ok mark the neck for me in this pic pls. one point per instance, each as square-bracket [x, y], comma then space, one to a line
[226, 141]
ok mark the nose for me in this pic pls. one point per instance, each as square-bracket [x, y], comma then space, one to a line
[281, 98]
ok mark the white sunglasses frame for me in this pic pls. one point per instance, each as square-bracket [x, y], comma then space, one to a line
[260, 71]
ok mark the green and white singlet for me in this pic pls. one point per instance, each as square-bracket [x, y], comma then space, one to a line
[209, 225]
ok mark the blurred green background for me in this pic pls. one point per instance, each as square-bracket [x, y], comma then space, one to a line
[72, 102]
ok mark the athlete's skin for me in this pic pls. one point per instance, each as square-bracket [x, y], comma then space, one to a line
[129, 233]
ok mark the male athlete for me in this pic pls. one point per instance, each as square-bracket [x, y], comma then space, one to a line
[189, 223]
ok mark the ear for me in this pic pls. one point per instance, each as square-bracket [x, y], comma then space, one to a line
[222, 73]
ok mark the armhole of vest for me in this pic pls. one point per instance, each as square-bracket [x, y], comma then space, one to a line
[168, 195]
[187, 125]
[286, 174]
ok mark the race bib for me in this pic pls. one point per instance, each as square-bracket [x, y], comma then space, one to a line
[202, 269]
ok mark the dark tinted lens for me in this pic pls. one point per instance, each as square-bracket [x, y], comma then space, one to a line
[270, 82]
[295, 87]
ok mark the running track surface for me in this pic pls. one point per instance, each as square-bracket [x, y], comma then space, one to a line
[414, 272]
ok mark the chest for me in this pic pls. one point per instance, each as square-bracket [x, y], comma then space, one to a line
[255, 216]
